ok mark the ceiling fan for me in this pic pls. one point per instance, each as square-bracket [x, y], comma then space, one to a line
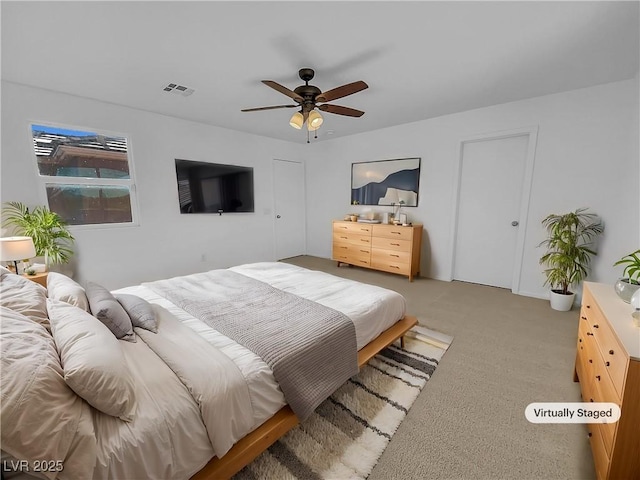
[308, 97]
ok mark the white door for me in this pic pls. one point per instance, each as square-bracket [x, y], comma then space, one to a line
[491, 184]
[289, 205]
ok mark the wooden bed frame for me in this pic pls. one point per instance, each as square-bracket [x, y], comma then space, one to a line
[256, 442]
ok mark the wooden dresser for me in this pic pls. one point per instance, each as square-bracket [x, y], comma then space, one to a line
[389, 248]
[608, 368]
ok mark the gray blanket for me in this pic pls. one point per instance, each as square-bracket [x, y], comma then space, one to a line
[310, 348]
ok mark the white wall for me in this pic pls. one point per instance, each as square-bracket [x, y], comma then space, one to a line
[587, 155]
[166, 242]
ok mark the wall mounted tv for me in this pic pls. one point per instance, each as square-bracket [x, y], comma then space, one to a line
[214, 188]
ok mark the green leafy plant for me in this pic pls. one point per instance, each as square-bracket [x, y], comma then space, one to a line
[49, 232]
[569, 248]
[631, 264]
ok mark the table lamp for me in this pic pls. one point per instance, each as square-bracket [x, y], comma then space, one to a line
[16, 248]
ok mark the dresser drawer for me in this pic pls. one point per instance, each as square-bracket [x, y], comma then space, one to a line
[352, 250]
[351, 238]
[389, 266]
[392, 231]
[600, 457]
[391, 244]
[352, 227]
[584, 358]
[602, 393]
[397, 256]
[614, 357]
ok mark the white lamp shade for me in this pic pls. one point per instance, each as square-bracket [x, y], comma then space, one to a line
[315, 120]
[296, 120]
[16, 248]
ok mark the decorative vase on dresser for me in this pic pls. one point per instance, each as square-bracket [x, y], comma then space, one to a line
[608, 369]
[390, 248]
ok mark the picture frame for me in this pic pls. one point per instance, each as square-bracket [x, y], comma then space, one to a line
[386, 182]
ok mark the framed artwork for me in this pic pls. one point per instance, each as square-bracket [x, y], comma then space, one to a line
[386, 182]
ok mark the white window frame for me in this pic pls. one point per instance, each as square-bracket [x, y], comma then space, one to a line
[130, 182]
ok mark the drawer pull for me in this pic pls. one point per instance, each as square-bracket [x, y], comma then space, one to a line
[395, 244]
[598, 377]
[392, 255]
[364, 251]
[363, 261]
[580, 340]
[584, 318]
[344, 248]
[590, 360]
[607, 364]
[364, 229]
[596, 326]
[589, 434]
[589, 333]
[343, 228]
[397, 233]
[611, 352]
[394, 266]
[588, 306]
[345, 238]
[364, 240]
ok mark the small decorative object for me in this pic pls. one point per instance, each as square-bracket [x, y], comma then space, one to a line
[569, 251]
[30, 271]
[354, 218]
[627, 286]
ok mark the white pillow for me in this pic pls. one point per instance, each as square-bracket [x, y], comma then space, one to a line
[24, 296]
[60, 287]
[92, 360]
[41, 416]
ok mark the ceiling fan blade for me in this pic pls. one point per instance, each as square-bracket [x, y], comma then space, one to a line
[343, 91]
[281, 89]
[349, 112]
[268, 108]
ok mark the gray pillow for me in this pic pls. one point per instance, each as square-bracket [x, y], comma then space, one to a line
[106, 308]
[139, 310]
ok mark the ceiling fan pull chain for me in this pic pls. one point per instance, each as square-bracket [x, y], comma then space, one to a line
[308, 137]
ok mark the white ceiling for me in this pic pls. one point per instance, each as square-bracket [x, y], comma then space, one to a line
[420, 59]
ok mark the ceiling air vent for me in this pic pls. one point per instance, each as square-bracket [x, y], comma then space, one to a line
[179, 89]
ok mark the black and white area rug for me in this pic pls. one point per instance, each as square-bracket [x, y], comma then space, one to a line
[348, 432]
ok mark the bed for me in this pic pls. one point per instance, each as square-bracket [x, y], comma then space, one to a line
[205, 405]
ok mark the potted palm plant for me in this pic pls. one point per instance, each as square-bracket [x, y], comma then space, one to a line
[569, 246]
[49, 232]
[625, 287]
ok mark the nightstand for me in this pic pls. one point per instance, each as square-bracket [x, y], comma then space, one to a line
[40, 278]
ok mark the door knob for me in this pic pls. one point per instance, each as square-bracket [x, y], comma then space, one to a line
[278, 216]
[515, 223]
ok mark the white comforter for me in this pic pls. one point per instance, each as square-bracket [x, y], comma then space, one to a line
[232, 389]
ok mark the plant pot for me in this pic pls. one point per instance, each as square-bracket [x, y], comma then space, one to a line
[625, 289]
[560, 301]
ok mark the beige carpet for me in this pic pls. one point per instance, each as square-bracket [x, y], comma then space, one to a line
[469, 423]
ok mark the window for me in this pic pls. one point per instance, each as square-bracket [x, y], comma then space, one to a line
[86, 175]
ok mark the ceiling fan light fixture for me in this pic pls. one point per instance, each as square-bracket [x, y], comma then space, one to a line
[315, 120]
[296, 120]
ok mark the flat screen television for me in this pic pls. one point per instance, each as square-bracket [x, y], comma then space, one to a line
[214, 188]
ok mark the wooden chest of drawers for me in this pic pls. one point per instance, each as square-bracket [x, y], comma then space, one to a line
[608, 368]
[389, 248]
